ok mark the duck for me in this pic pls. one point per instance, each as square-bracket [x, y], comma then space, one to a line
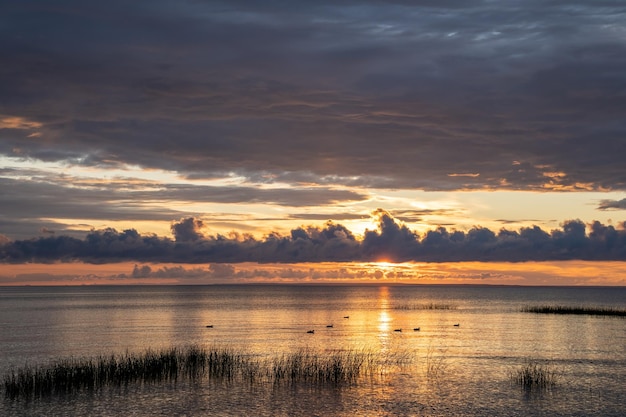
[416, 329]
[311, 331]
[209, 326]
[456, 325]
[329, 326]
[397, 330]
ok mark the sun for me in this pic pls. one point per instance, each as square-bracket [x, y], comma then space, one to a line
[382, 268]
[385, 264]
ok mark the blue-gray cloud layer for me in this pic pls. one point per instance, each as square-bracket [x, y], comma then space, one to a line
[27, 205]
[392, 241]
[518, 94]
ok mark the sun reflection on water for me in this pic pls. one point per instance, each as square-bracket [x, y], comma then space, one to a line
[384, 318]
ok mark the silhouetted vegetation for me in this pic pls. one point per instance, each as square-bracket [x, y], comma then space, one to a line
[194, 363]
[336, 368]
[435, 363]
[534, 375]
[595, 311]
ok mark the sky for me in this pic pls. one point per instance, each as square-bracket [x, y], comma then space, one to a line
[414, 141]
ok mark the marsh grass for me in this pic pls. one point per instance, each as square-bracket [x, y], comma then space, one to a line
[534, 375]
[425, 306]
[435, 363]
[341, 367]
[70, 375]
[594, 311]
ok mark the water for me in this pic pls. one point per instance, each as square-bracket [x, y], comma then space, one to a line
[473, 361]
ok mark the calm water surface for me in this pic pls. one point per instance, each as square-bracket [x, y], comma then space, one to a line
[474, 360]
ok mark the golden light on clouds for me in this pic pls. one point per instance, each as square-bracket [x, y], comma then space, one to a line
[469, 175]
[20, 123]
[380, 273]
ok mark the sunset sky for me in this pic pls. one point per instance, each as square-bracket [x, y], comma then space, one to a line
[207, 141]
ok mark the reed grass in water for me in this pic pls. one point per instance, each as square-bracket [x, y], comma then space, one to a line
[194, 363]
[594, 311]
[534, 375]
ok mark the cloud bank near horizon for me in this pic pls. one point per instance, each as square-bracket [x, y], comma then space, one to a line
[391, 241]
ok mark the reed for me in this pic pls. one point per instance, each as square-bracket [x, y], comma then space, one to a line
[340, 367]
[535, 375]
[435, 363]
[196, 363]
[70, 375]
[594, 311]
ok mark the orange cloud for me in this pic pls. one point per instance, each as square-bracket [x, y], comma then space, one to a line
[577, 273]
[15, 122]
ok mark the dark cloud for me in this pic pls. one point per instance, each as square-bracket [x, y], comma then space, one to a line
[320, 216]
[510, 221]
[55, 197]
[67, 192]
[526, 94]
[42, 196]
[612, 204]
[392, 241]
[228, 273]
[187, 230]
[418, 215]
[20, 228]
[214, 271]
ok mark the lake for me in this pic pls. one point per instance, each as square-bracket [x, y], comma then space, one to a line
[471, 340]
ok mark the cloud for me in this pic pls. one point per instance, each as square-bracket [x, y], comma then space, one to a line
[213, 272]
[38, 196]
[332, 242]
[229, 273]
[612, 204]
[418, 215]
[187, 230]
[19, 123]
[321, 216]
[392, 242]
[374, 93]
